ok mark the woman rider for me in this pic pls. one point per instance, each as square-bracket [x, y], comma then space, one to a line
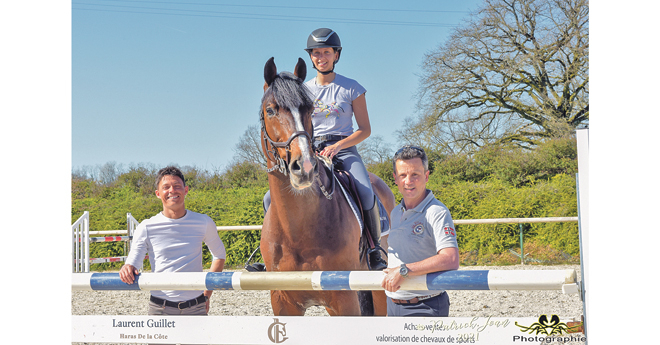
[336, 99]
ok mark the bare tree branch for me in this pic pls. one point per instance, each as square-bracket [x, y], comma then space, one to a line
[375, 150]
[517, 71]
[248, 148]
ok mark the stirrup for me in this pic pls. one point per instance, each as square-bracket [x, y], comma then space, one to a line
[379, 263]
[256, 267]
[376, 247]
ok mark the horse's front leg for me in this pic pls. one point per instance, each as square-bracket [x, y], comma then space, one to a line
[343, 303]
[284, 305]
[380, 302]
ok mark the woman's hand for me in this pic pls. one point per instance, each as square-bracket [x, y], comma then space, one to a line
[331, 150]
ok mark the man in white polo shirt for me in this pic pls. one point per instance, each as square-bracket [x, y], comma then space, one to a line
[173, 238]
[422, 239]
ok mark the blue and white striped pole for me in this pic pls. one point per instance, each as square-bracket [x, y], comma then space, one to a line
[564, 280]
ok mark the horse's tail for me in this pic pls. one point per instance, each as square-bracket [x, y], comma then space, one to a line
[366, 303]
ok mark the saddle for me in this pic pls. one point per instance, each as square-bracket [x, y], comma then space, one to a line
[347, 181]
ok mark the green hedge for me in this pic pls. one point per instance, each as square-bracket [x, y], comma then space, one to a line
[495, 199]
[497, 182]
[239, 206]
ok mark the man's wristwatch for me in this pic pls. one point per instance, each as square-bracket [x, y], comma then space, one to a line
[403, 271]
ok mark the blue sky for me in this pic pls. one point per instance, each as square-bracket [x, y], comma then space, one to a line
[179, 82]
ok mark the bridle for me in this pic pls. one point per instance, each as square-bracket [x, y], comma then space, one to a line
[282, 165]
[279, 164]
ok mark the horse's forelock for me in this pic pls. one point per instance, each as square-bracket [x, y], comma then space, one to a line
[289, 92]
[268, 94]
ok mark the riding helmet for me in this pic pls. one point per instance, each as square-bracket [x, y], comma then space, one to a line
[322, 38]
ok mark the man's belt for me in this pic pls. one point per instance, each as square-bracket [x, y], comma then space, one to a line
[415, 300]
[181, 305]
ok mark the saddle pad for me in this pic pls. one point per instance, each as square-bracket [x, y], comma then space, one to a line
[351, 200]
[384, 218]
[347, 185]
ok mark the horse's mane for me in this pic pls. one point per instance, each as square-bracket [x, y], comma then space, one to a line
[289, 92]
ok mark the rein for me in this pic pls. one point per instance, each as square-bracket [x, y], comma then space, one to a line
[331, 176]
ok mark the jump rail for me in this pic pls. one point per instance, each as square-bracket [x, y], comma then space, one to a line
[80, 238]
[81, 241]
[564, 280]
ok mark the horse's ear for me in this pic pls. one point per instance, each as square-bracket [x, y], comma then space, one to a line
[301, 69]
[270, 71]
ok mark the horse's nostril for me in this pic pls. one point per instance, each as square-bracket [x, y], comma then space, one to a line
[295, 167]
[302, 167]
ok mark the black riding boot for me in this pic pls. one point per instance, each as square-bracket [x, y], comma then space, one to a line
[372, 223]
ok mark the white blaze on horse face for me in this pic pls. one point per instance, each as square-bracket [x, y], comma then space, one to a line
[305, 148]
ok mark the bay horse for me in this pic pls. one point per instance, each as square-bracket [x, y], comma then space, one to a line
[308, 227]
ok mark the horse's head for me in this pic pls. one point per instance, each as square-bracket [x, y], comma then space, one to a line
[286, 125]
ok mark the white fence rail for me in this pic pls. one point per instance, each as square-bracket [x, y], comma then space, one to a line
[81, 233]
[516, 220]
[456, 221]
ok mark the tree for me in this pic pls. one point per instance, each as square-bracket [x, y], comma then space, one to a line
[141, 178]
[109, 172]
[86, 172]
[248, 148]
[248, 166]
[517, 71]
[245, 174]
[374, 150]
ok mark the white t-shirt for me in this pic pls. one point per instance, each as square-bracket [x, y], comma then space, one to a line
[417, 234]
[175, 245]
[333, 105]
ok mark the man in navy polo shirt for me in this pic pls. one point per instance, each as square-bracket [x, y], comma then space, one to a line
[422, 239]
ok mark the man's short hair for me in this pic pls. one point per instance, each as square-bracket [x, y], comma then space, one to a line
[172, 171]
[411, 152]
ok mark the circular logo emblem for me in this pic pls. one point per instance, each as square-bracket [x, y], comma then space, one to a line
[418, 228]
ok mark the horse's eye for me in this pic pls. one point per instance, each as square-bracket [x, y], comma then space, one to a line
[270, 111]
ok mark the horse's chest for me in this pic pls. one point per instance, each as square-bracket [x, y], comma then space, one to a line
[309, 244]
